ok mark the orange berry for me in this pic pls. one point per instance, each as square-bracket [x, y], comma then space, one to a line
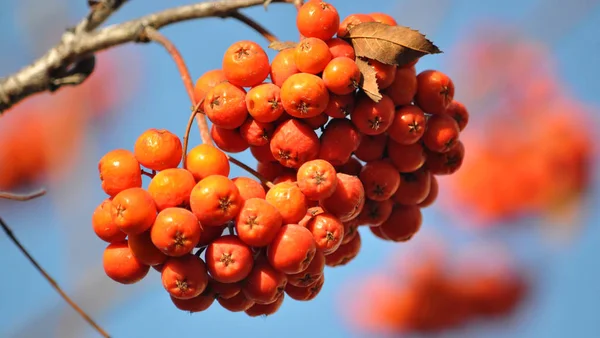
[414, 187]
[432, 195]
[171, 188]
[270, 170]
[311, 274]
[246, 64]
[441, 134]
[158, 149]
[318, 19]
[228, 140]
[305, 293]
[375, 213]
[340, 106]
[258, 222]
[289, 201]
[402, 224]
[404, 87]
[384, 73]
[119, 170]
[317, 179]
[351, 167]
[205, 160]
[292, 250]
[144, 250]
[304, 95]
[209, 234]
[229, 260]
[256, 133]
[380, 180]
[133, 211]
[249, 188]
[408, 125]
[283, 66]
[406, 158]
[176, 231]
[236, 303]
[317, 122]
[371, 147]
[435, 91]
[103, 225]
[293, 143]
[264, 102]
[265, 310]
[339, 48]
[327, 231]
[224, 290]
[206, 82]
[263, 154]
[339, 139]
[121, 265]
[341, 76]
[384, 18]
[446, 163]
[345, 253]
[215, 200]
[312, 55]
[197, 304]
[372, 118]
[351, 21]
[459, 113]
[184, 277]
[347, 200]
[264, 284]
[225, 105]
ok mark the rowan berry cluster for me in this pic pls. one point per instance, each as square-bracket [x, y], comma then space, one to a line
[436, 294]
[330, 159]
[550, 150]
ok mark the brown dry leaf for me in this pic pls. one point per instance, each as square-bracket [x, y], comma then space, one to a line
[393, 45]
[368, 81]
[281, 45]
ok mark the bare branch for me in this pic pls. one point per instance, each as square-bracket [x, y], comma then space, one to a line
[48, 72]
[100, 10]
[22, 197]
[51, 280]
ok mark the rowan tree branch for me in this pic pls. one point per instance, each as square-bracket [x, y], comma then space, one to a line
[64, 63]
[22, 197]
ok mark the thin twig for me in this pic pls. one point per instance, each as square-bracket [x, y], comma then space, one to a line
[77, 44]
[188, 129]
[52, 282]
[251, 171]
[149, 174]
[254, 25]
[22, 197]
[156, 36]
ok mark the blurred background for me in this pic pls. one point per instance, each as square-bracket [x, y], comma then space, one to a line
[509, 249]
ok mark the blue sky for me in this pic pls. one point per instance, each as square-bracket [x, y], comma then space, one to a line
[58, 232]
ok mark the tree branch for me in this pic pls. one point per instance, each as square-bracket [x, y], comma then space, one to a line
[22, 197]
[51, 280]
[49, 71]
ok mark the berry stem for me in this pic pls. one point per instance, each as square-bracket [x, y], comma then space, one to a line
[22, 197]
[149, 174]
[251, 171]
[200, 251]
[156, 36]
[254, 25]
[50, 280]
[186, 137]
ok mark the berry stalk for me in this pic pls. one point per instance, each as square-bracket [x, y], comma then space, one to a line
[50, 280]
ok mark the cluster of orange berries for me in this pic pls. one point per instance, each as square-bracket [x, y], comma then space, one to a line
[549, 153]
[313, 194]
[436, 295]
